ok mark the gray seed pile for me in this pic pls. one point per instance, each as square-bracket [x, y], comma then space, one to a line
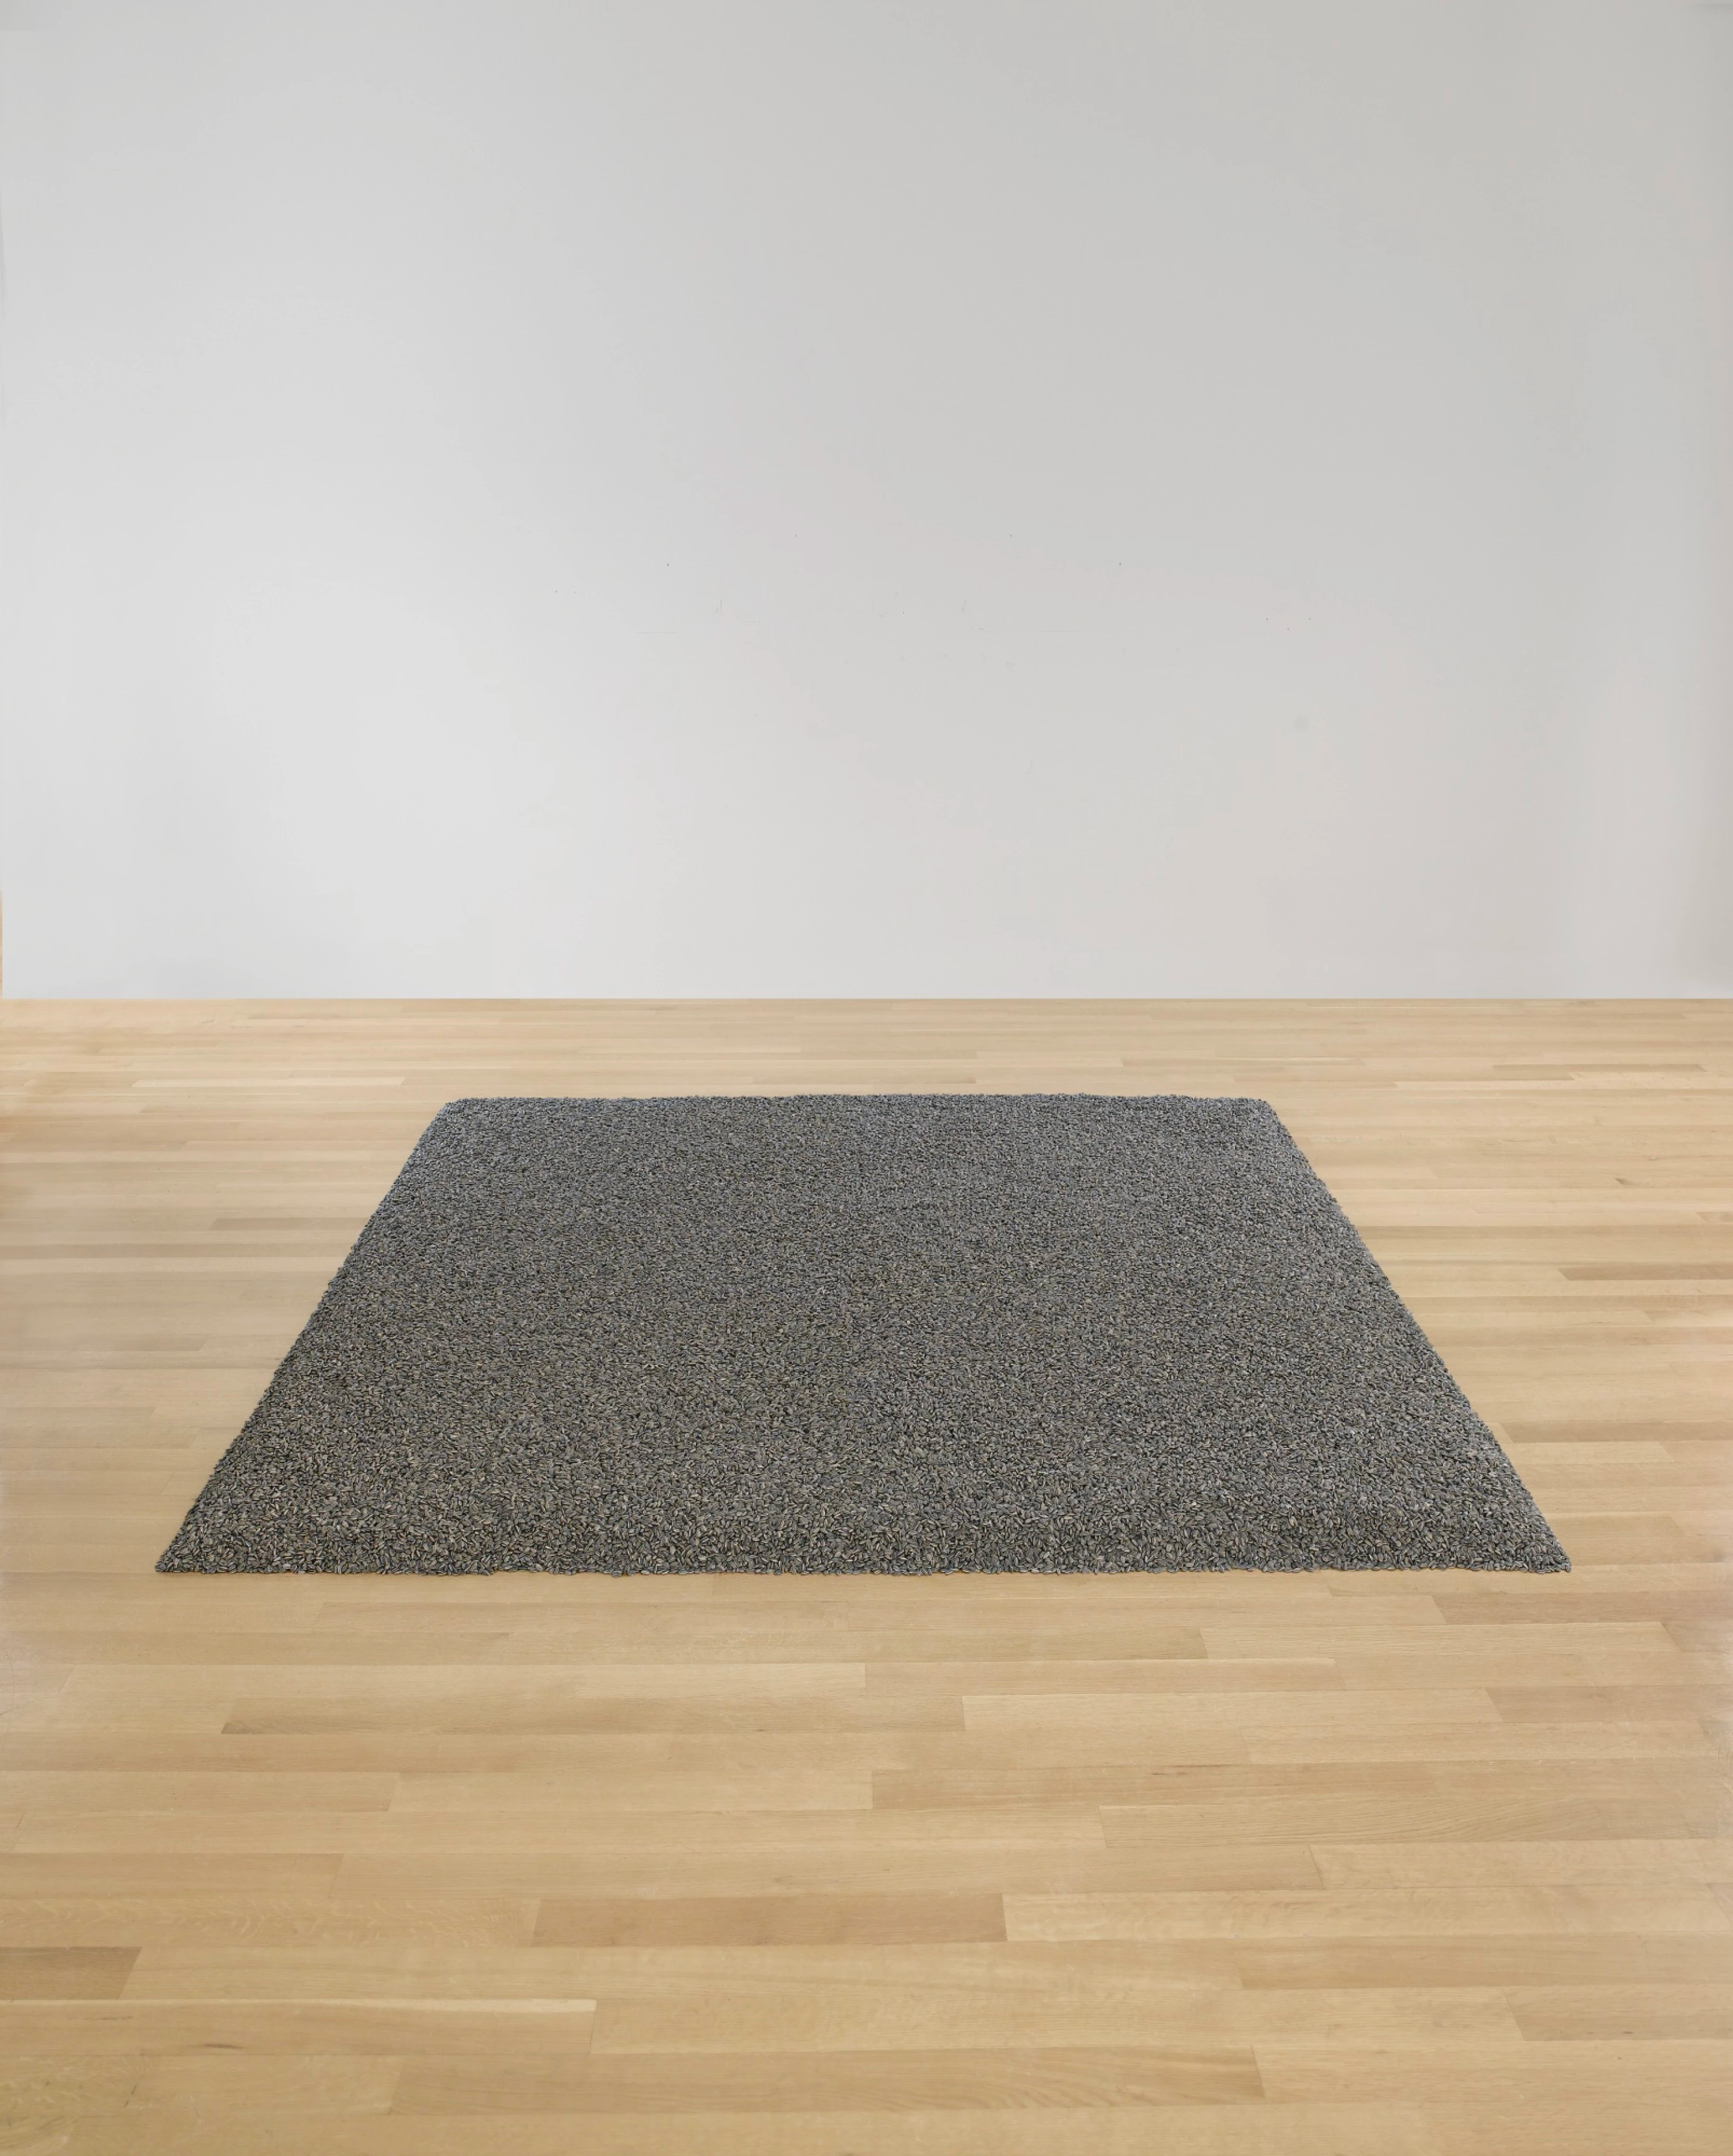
[902, 1333]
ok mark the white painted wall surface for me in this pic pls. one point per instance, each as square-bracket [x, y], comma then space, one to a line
[853, 497]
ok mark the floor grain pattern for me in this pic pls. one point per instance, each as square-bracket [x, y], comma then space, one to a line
[1418, 1864]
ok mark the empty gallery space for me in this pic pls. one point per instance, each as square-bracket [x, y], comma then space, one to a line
[866, 1078]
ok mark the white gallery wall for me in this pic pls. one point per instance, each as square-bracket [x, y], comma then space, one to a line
[860, 497]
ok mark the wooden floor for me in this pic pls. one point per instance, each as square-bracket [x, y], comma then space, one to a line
[1379, 1864]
